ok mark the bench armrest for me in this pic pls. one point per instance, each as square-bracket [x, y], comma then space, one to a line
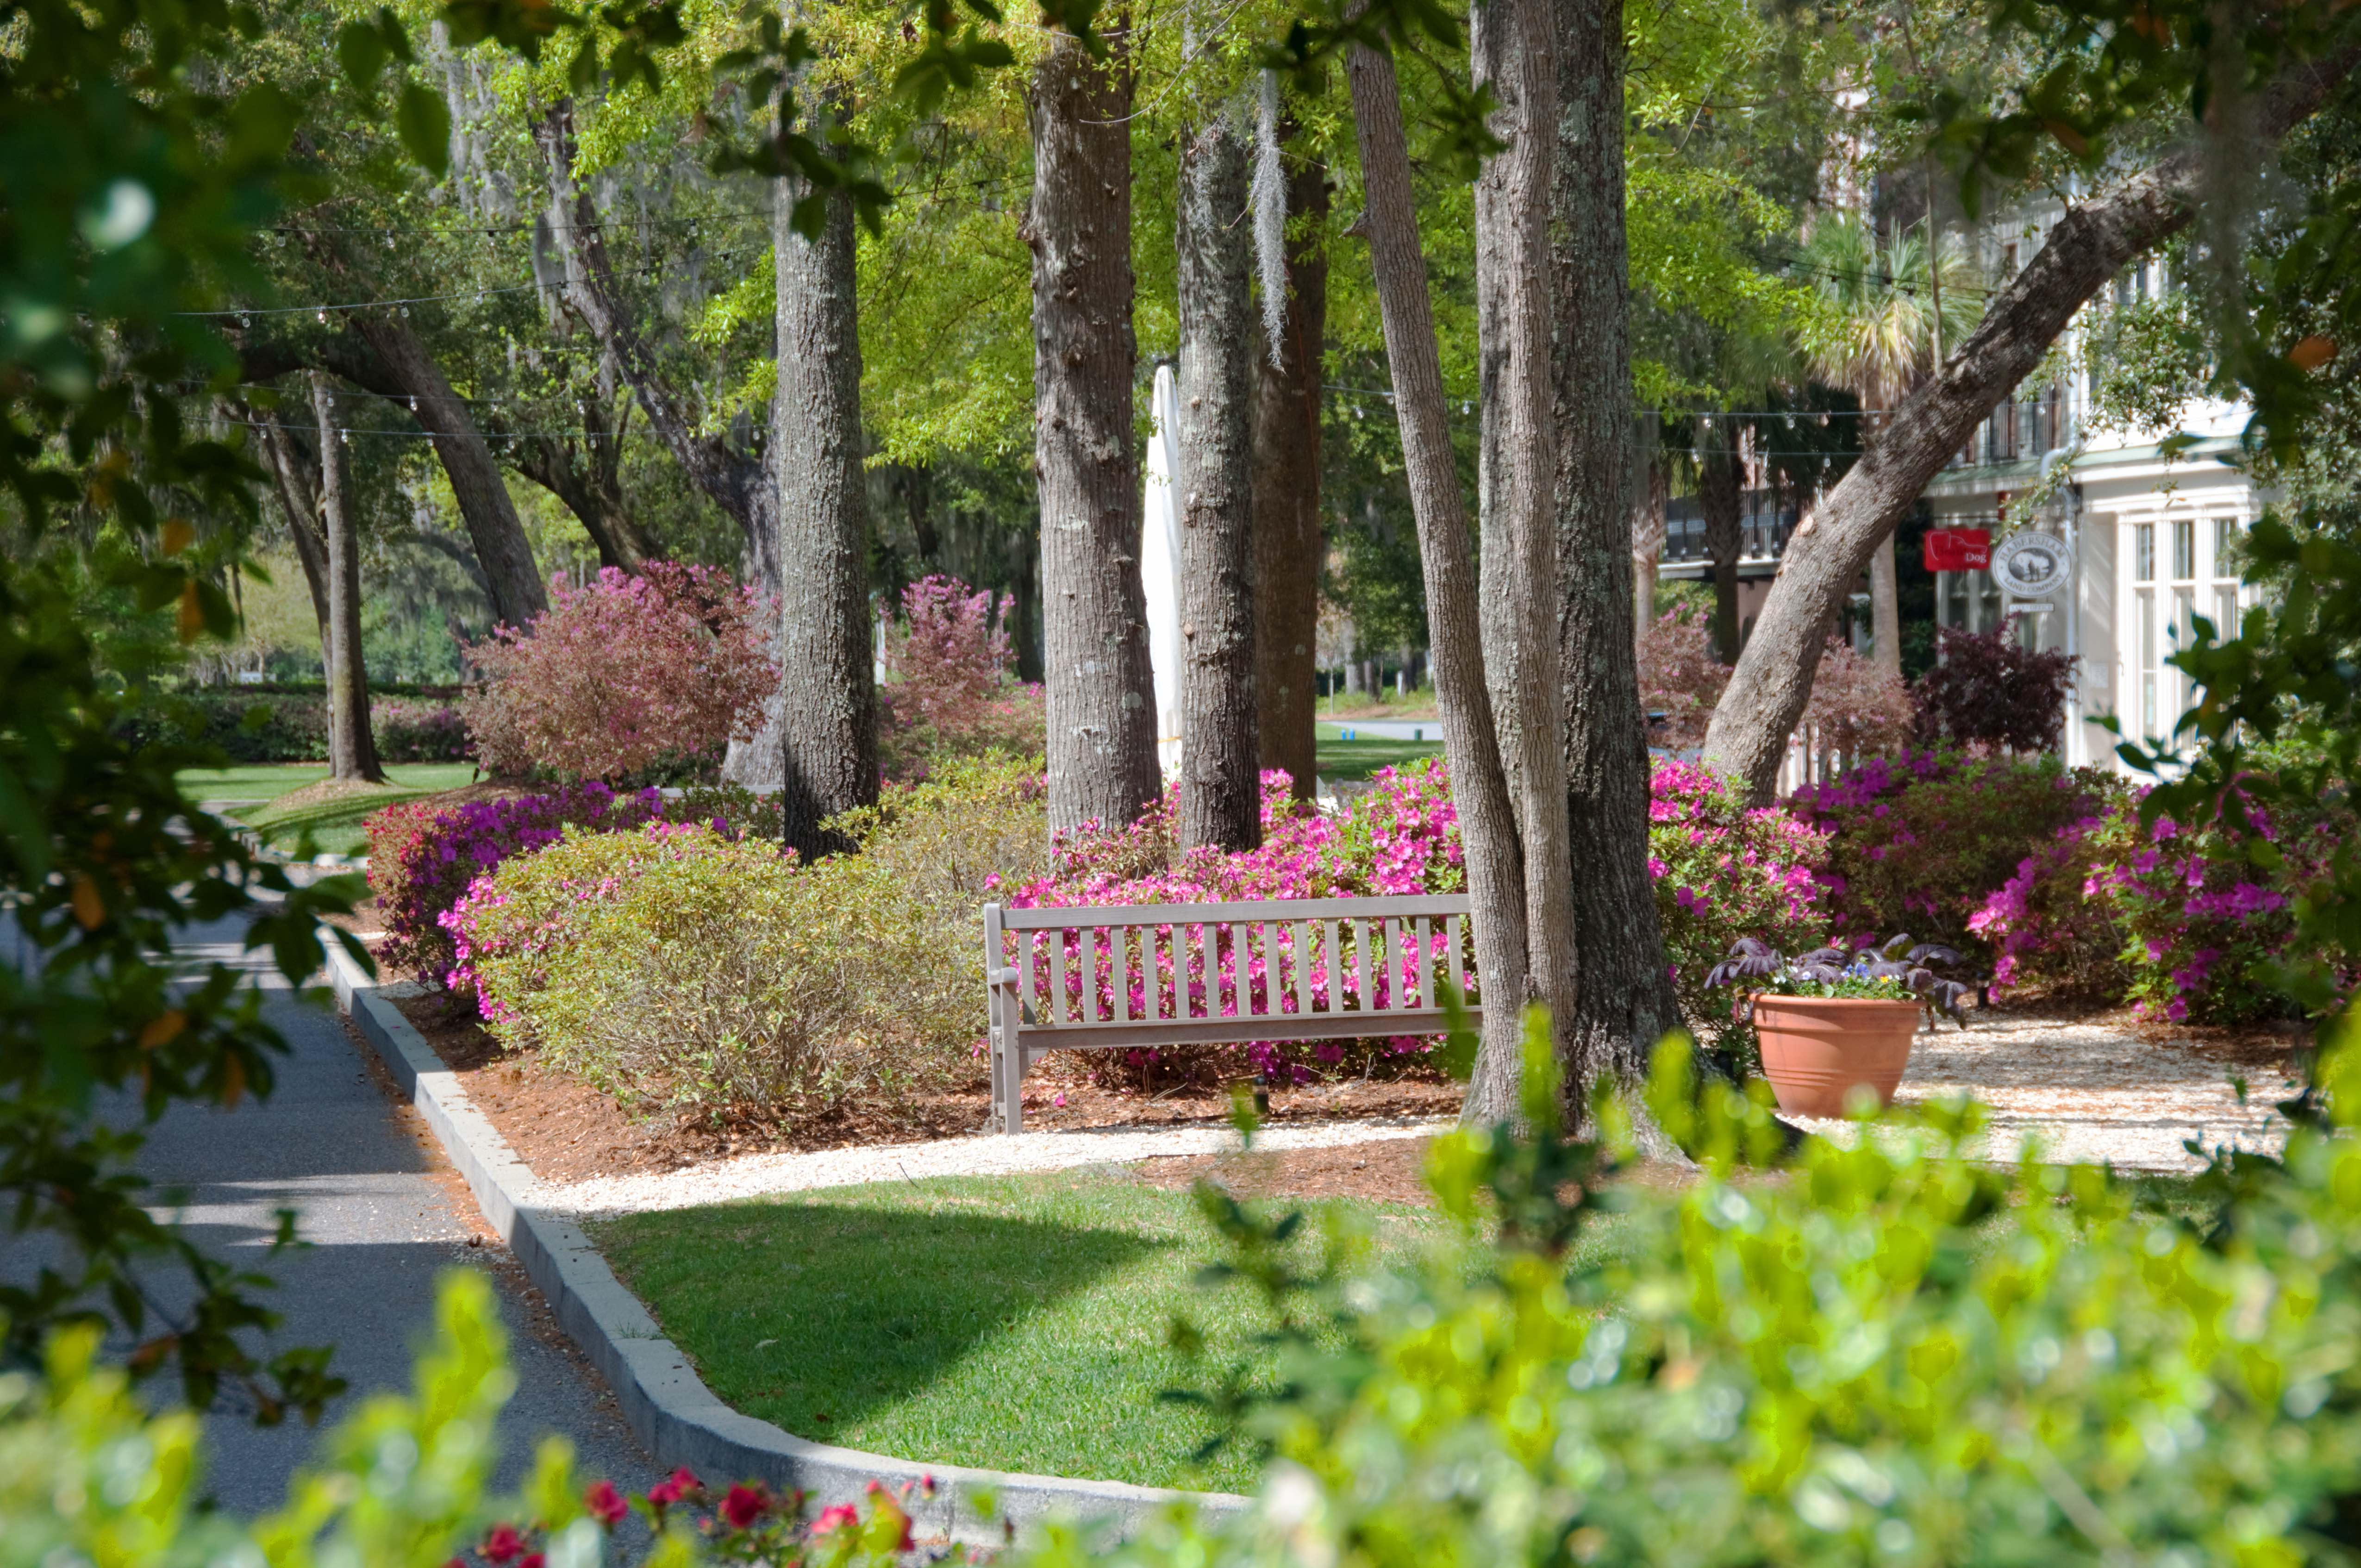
[1002, 976]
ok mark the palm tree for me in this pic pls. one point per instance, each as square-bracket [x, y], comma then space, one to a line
[1875, 330]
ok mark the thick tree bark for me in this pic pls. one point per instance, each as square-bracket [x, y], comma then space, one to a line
[1100, 696]
[1286, 499]
[1220, 799]
[827, 719]
[1722, 502]
[298, 502]
[518, 592]
[1480, 788]
[1623, 994]
[2088, 246]
[1512, 49]
[351, 743]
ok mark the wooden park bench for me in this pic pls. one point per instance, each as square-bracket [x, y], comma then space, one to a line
[1374, 970]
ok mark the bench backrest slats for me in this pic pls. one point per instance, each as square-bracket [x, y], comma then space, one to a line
[1316, 957]
[1257, 912]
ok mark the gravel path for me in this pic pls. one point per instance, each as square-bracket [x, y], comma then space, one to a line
[2090, 1092]
[749, 1175]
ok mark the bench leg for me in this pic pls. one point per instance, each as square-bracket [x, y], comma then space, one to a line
[1012, 1085]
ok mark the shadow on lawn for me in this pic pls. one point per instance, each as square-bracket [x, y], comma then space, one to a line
[817, 1315]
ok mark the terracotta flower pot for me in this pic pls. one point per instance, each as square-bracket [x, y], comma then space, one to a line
[1817, 1048]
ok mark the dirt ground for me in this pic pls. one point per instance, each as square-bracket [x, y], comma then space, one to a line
[569, 1131]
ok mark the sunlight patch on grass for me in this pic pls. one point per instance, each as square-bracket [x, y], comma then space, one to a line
[1010, 1322]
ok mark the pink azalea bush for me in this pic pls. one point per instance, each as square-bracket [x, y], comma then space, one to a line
[951, 688]
[423, 858]
[1721, 872]
[1917, 840]
[621, 675]
[2198, 914]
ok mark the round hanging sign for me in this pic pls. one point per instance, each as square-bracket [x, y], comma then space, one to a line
[2032, 566]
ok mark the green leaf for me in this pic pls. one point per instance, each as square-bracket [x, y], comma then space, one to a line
[361, 54]
[582, 70]
[424, 122]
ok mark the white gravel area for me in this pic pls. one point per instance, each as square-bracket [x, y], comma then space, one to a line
[2090, 1093]
[752, 1175]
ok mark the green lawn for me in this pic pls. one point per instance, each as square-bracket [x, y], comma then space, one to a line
[334, 825]
[264, 781]
[1361, 759]
[1011, 1323]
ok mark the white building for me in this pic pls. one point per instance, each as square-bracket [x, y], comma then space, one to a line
[2152, 539]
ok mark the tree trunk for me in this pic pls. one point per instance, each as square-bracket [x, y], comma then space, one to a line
[1286, 499]
[588, 479]
[2085, 248]
[1884, 609]
[1624, 1000]
[1220, 799]
[742, 486]
[1721, 501]
[299, 501]
[352, 744]
[518, 593]
[1511, 49]
[1101, 696]
[1648, 546]
[1488, 825]
[827, 716]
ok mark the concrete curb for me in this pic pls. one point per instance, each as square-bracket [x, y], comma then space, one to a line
[667, 1404]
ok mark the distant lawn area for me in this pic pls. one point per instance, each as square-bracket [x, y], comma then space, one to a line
[1010, 1322]
[1341, 758]
[335, 825]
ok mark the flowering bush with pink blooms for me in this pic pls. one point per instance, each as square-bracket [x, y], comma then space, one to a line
[950, 686]
[697, 973]
[424, 856]
[2188, 922]
[1722, 872]
[625, 675]
[1917, 840]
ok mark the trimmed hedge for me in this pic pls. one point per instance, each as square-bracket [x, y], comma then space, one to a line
[261, 723]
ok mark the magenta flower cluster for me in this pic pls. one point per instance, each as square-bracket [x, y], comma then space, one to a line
[1721, 871]
[951, 689]
[423, 859]
[2189, 926]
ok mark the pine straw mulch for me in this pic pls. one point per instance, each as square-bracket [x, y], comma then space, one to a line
[570, 1132]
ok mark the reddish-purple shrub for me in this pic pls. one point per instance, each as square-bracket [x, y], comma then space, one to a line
[423, 858]
[949, 688]
[622, 674]
[1986, 690]
[1916, 842]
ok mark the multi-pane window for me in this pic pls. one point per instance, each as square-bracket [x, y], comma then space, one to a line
[2183, 631]
[2225, 610]
[2144, 553]
[2148, 658]
[2184, 549]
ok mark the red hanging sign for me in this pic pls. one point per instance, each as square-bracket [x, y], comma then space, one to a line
[1958, 549]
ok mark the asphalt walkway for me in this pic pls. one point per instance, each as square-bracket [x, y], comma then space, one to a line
[383, 1219]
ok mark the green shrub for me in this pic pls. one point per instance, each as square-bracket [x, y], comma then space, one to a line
[1891, 1356]
[88, 1475]
[686, 972]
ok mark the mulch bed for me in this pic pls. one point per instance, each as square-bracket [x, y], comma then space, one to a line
[568, 1131]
